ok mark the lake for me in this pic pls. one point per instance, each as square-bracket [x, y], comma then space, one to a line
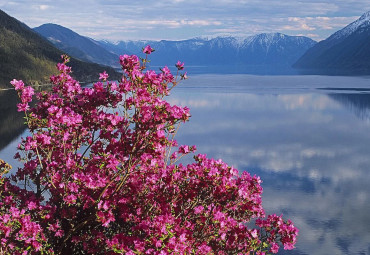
[307, 137]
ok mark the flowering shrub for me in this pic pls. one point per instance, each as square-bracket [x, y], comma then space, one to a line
[100, 177]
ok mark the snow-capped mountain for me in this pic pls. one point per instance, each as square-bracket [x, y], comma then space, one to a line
[347, 51]
[362, 22]
[259, 50]
[274, 49]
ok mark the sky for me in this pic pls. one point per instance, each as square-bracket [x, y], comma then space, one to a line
[116, 20]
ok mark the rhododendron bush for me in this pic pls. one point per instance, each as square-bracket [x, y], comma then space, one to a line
[101, 175]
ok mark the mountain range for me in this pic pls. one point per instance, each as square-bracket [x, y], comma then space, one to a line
[347, 51]
[26, 55]
[262, 51]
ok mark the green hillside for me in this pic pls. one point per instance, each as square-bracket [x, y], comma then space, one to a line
[26, 55]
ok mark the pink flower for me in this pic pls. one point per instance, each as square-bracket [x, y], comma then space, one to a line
[204, 249]
[130, 63]
[28, 92]
[184, 149]
[59, 233]
[63, 68]
[254, 233]
[18, 85]
[105, 217]
[148, 49]
[183, 238]
[184, 76]
[23, 107]
[218, 216]
[198, 209]
[103, 76]
[113, 86]
[32, 205]
[158, 243]
[70, 199]
[179, 65]
[36, 245]
[274, 248]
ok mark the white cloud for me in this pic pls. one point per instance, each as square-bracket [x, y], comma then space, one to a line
[190, 18]
[44, 7]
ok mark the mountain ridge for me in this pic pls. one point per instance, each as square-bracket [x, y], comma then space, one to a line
[345, 52]
[350, 28]
[81, 47]
[26, 55]
[265, 49]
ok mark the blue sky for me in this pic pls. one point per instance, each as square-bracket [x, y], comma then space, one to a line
[183, 19]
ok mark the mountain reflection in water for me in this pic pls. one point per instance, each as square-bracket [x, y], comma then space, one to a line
[11, 121]
[358, 103]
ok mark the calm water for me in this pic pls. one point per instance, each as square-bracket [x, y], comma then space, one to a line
[308, 137]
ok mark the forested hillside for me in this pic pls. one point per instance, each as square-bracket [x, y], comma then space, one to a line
[26, 55]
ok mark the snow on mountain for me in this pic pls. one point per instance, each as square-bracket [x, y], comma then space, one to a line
[363, 21]
[273, 49]
[113, 42]
[264, 39]
[346, 52]
[277, 41]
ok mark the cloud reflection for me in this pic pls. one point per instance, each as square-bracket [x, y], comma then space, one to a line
[311, 152]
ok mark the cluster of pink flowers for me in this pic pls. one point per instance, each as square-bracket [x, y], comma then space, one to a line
[19, 229]
[101, 176]
[27, 93]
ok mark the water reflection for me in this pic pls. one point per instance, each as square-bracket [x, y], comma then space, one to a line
[358, 103]
[12, 122]
[11, 126]
[310, 151]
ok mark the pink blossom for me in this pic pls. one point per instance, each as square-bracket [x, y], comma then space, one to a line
[23, 107]
[32, 205]
[70, 199]
[148, 49]
[198, 209]
[254, 233]
[179, 65]
[184, 149]
[103, 76]
[184, 76]
[18, 85]
[28, 92]
[274, 248]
